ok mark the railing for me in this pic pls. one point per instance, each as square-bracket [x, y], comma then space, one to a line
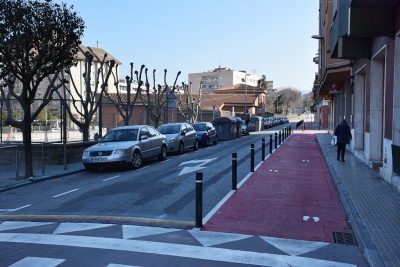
[16, 159]
[65, 153]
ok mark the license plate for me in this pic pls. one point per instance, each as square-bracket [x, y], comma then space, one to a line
[100, 160]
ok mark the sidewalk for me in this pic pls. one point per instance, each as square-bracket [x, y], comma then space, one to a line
[8, 177]
[292, 195]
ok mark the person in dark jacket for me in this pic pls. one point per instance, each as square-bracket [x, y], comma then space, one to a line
[343, 135]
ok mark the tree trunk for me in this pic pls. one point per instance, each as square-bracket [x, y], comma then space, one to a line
[27, 140]
[85, 133]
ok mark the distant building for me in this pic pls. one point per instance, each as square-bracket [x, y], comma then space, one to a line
[220, 77]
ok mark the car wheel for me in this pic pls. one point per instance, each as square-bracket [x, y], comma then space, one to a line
[181, 148]
[90, 167]
[196, 145]
[163, 154]
[215, 140]
[136, 160]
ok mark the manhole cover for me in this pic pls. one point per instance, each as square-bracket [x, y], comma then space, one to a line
[344, 238]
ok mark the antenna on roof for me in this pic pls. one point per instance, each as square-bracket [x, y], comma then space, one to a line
[97, 44]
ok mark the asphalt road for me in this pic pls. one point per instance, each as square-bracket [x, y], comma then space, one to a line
[158, 194]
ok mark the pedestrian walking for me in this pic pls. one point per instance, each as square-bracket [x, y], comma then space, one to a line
[343, 137]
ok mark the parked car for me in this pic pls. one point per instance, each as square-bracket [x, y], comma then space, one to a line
[180, 136]
[128, 145]
[206, 133]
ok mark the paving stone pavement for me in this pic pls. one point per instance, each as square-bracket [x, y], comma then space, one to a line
[372, 205]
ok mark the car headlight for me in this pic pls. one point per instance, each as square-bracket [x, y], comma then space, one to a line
[85, 153]
[171, 140]
[121, 151]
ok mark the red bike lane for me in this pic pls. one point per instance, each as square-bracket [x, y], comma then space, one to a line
[291, 195]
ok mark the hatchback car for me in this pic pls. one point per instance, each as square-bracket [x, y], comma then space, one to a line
[180, 136]
[206, 133]
[128, 145]
[245, 130]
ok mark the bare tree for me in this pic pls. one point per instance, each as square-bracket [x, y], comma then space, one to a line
[38, 39]
[85, 104]
[125, 108]
[270, 96]
[157, 99]
[291, 98]
[188, 105]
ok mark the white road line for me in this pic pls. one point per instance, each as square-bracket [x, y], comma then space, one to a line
[184, 155]
[144, 167]
[11, 210]
[66, 192]
[165, 160]
[111, 178]
[36, 261]
[167, 249]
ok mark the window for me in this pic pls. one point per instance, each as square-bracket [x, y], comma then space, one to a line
[152, 132]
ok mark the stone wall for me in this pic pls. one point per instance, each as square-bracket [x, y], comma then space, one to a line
[52, 153]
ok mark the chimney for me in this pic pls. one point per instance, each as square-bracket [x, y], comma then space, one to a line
[259, 84]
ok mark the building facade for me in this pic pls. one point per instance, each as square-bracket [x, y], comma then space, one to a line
[358, 78]
[220, 77]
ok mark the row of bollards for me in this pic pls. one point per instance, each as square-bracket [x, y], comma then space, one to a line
[286, 132]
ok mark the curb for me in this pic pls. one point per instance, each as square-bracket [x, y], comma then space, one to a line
[40, 179]
[363, 238]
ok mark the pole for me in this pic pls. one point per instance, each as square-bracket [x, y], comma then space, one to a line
[276, 140]
[270, 144]
[234, 171]
[252, 158]
[263, 149]
[199, 200]
[280, 137]
[245, 97]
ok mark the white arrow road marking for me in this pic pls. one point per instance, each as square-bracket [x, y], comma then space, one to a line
[316, 219]
[195, 168]
[305, 218]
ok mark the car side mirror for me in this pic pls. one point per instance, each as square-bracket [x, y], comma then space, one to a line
[143, 137]
[99, 139]
[208, 128]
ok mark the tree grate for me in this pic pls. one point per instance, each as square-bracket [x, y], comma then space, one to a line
[344, 238]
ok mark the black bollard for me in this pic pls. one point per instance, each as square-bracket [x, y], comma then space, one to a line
[234, 171]
[263, 150]
[252, 158]
[276, 140]
[270, 144]
[284, 134]
[280, 137]
[199, 200]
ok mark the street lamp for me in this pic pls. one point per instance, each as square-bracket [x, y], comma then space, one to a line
[277, 103]
[245, 95]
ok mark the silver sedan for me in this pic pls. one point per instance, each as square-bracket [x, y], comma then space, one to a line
[128, 145]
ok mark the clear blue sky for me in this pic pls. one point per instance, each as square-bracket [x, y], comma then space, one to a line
[271, 37]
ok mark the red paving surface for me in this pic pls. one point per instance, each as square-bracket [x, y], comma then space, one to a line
[292, 183]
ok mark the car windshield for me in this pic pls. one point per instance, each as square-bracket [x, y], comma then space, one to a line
[120, 135]
[199, 127]
[169, 129]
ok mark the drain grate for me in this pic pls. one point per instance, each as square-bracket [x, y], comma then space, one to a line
[344, 238]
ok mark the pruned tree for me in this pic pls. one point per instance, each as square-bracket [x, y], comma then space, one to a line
[157, 97]
[125, 108]
[188, 105]
[38, 39]
[86, 103]
[291, 98]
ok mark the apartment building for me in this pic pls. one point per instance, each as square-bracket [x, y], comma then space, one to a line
[220, 77]
[359, 78]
